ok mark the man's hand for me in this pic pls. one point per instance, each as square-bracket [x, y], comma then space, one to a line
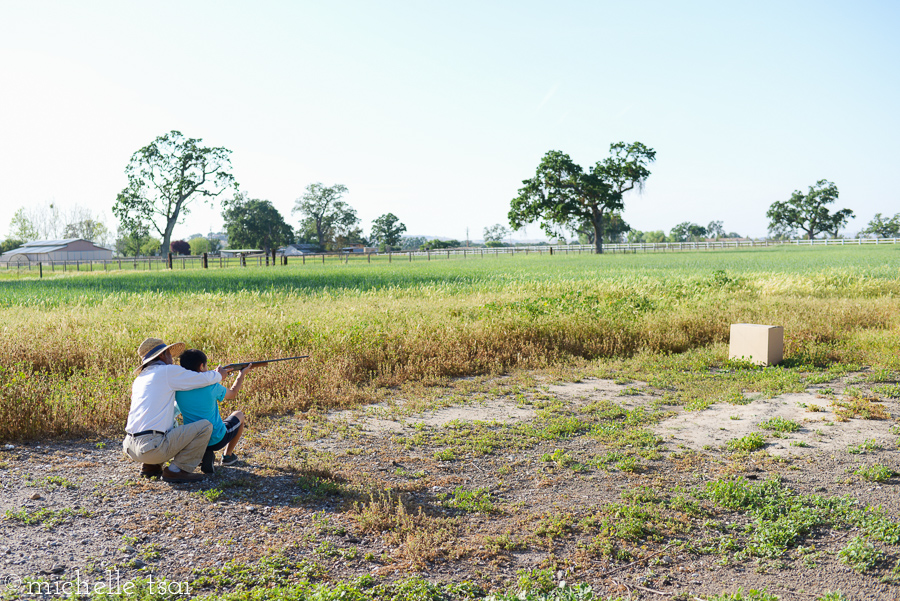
[223, 371]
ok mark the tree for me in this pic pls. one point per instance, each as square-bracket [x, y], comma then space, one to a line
[386, 231]
[199, 245]
[495, 233]
[87, 229]
[886, 227]
[562, 194]
[715, 229]
[412, 242]
[687, 232]
[439, 244]
[129, 241]
[150, 246]
[255, 223]
[10, 244]
[345, 237]
[325, 215]
[180, 247]
[165, 179]
[21, 227]
[807, 212]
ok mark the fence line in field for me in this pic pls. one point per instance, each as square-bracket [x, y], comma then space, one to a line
[261, 259]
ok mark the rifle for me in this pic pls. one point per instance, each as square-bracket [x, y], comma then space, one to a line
[237, 366]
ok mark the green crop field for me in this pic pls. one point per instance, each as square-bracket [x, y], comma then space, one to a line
[69, 340]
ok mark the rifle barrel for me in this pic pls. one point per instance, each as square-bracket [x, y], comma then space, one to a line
[264, 361]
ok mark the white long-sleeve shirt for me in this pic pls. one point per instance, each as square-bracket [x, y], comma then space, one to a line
[153, 395]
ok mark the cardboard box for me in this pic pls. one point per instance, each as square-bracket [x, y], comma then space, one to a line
[763, 345]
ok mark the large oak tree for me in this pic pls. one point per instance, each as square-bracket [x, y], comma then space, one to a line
[807, 212]
[562, 195]
[386, 231]
[166, 177]
[254, 223]
[326, 218]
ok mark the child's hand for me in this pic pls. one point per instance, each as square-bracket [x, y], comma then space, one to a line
[247, 369]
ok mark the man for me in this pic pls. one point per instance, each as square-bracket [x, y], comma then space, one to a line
[151, 435]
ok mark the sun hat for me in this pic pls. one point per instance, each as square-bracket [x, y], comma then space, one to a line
[152, 348]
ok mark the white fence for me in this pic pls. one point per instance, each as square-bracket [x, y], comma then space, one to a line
[260, 260]
[654, 247]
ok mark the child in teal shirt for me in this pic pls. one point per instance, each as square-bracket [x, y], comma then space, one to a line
[203, 403]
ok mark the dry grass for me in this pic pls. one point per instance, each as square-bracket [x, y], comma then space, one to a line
[65, 368]
[416, 538]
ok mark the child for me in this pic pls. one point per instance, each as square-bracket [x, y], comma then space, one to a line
[203, 403]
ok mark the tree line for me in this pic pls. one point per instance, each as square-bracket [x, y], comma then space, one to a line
[170, 176]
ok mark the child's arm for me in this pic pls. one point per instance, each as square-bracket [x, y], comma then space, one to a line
[236, 387]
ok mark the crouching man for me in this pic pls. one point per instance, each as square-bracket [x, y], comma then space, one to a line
[151, 435]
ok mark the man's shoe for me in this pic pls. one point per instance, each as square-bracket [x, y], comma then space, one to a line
[206, 466]
[151, 470]
[229, 459]
[182, 476]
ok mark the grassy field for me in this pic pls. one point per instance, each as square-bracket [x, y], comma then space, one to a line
[613, 363]
[68, 344]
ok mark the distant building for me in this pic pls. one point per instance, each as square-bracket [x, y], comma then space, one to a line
[295, 250]
[70, 249]
[234, 252]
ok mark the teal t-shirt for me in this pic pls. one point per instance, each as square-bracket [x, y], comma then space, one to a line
[203, 403]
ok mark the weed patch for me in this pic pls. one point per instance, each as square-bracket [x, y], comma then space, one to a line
[780, 424]
[747, 444]
[875, 473]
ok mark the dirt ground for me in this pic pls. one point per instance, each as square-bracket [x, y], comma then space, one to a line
[303, 497]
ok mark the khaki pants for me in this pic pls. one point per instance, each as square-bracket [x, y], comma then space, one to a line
[186, 444]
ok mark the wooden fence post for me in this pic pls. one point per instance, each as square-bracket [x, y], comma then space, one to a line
[205, 261]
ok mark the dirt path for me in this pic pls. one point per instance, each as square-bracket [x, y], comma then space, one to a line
[474, 494]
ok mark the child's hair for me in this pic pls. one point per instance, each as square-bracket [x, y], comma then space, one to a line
[192, 359]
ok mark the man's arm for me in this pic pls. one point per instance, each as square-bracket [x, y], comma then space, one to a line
[180, 378]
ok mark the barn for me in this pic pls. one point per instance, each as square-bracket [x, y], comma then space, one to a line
[45, 251]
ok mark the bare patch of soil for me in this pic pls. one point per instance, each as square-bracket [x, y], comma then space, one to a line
[821, 430]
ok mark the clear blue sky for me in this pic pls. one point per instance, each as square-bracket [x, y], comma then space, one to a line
[437, 111]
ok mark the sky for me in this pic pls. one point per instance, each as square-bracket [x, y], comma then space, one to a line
[436, 112]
